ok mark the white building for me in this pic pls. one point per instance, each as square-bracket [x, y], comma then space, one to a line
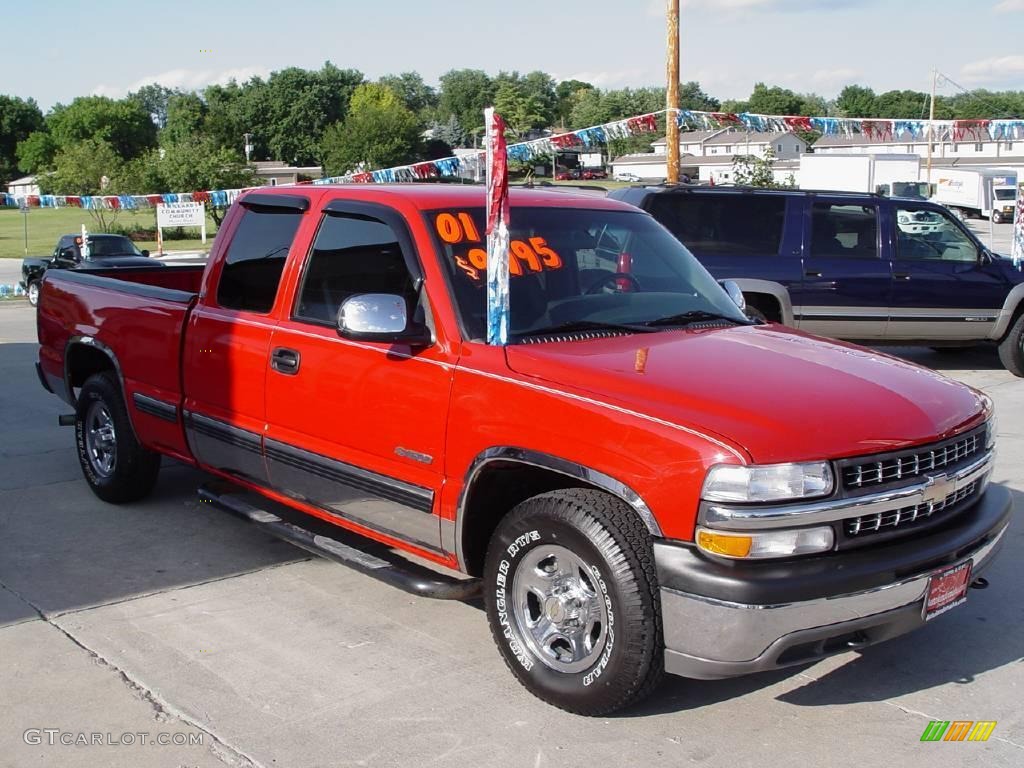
[26, 185]
[947, 150]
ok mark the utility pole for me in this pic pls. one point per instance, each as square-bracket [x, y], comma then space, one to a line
[672, 93]
[931, 125]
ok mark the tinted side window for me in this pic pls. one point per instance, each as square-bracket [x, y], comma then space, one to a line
[844, 231]
[712, 224]
[255, 258]
[927, 234]
[351, 255]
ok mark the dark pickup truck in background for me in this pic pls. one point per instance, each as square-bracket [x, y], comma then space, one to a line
[104, 252]
[852, 266]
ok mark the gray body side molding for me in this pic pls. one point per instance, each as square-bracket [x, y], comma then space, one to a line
[452, 534]
[776, 290]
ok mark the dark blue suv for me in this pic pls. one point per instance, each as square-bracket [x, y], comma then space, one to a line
[852, 266]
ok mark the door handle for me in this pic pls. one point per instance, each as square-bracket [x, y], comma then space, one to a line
[901, 275]
[284, 360]
[812, 273]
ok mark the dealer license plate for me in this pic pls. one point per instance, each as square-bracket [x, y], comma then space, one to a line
[947, 589]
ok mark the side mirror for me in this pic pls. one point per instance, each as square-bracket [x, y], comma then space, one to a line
[145, 252]
[735, 294]
[380, 317]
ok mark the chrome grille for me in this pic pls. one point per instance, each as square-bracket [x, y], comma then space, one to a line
[912, 464]
[899, 518]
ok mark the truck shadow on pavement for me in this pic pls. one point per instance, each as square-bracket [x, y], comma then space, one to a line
[62, 549]
[979, 637]
[984, 357]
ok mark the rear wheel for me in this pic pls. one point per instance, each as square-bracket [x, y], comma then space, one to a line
[1011, 348]
[116, 467]
[33, 293]
[572, 600]
[997, 217]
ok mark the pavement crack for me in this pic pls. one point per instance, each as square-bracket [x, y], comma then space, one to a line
[163, 710]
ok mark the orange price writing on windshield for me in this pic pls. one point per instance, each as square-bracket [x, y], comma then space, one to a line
[530, 255]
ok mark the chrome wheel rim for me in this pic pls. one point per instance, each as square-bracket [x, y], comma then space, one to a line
[559, 610]
[100, 440]
[33, 293]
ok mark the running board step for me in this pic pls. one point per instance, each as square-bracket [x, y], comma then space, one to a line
[364, 555]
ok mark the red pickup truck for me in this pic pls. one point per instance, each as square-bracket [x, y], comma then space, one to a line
[643, 480]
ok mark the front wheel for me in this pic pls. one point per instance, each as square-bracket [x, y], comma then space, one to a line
[572, 600]
[33, 293]
[116, 467]
[1011, 348]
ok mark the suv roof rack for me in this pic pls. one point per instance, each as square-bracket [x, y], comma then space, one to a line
[720, 188]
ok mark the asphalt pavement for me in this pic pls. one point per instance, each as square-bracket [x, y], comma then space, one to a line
[167, 620]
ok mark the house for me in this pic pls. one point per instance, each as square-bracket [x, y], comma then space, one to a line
[275, 172]
[26, 185]
[975, 145]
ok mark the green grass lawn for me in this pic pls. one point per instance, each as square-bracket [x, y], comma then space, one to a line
[45, 225]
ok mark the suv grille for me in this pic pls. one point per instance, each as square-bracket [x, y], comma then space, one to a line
[905, 516]
[900, 467]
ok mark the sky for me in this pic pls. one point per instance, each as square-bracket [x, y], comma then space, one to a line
[54, 51]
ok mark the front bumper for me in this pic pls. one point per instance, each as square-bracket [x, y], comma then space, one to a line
[723, 619]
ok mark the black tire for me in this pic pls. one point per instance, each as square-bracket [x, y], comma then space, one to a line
[32, 291]
[1011, 348]
[997, 218]
[614, 547]
[103, 431]
[755, 314]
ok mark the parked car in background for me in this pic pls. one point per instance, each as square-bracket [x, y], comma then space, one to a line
[594, 173]
[853, 266]
[626, 176]
[100, 252]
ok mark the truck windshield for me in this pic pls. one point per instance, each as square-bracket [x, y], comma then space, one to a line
[1006, 194]
[103, 246]
[579, 267]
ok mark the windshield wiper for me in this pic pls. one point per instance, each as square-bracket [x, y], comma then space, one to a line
[574, 326]
[694, 316]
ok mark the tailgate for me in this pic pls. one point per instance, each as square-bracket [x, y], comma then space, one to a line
[87, 321]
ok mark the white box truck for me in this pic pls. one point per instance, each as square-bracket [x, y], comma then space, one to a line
[980, 192]
[895, 175]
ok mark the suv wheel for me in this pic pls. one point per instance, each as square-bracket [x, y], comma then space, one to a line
[572, 600]
[1011, 348]
[116, 467]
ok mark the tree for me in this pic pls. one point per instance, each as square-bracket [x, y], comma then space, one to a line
[908, 105]
[88, 167]
[36, 153]
[520, 109]
[774, 101]
[857, 101]
[692, 96]
[18, 119]
[540, 88]
[449, 132]
[465, 93]
[186, 119]
[379, 131]
[567, 93]
[415, 94]
[154, 99]
[754, 171]
[589, 108]
[125, 125]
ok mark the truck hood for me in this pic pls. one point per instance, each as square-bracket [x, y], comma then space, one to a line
[779, 394]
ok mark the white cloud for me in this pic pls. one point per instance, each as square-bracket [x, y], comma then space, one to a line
[1009, 6]
[994, 70]
[617, 78]
[185, 79]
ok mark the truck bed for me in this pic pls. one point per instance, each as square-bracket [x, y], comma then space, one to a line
[138, 316]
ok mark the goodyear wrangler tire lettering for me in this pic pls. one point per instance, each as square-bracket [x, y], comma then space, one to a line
[572, 600]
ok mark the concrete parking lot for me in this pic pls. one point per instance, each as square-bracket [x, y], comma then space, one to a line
[172, 619]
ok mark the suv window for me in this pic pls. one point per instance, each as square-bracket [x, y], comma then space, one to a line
[352, 255]
[844, 231]
[255, 258]
[928, 234]
[737, 225]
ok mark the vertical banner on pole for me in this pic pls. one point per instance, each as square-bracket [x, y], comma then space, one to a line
[1017, 247]
[497, 229]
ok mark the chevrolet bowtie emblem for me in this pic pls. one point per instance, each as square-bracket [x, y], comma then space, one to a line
[938, 487]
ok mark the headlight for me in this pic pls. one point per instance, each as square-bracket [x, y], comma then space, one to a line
[903, 218]
[768, 482]
[991, 427]
[752, 546]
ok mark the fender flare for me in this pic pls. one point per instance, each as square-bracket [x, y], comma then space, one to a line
[509, 454]
[777, 291]
[89, 341]
[1013, 300]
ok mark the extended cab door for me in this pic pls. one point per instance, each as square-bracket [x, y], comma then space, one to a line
[357, 428]
[943, 287]
[227, 343]
[846, 283]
